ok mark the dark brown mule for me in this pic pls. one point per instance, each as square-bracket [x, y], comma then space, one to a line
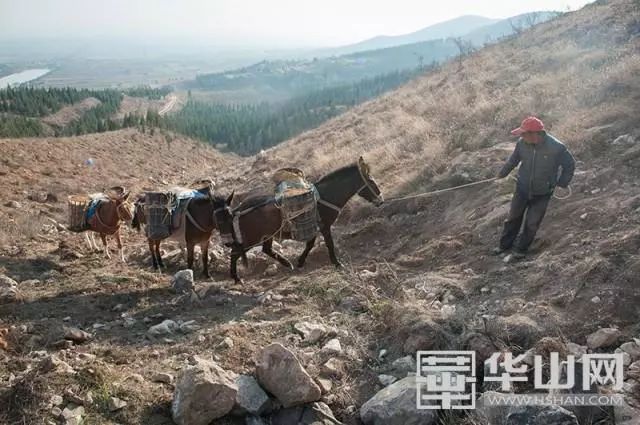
[263, 222]
[110, 212]
[201, 218]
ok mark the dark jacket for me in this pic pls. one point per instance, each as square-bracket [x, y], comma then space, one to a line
[540, 163]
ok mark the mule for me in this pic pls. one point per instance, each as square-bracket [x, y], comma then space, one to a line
[259, 220]
[110, 212]
[201, 219]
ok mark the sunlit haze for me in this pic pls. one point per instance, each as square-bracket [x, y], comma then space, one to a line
[281, 23]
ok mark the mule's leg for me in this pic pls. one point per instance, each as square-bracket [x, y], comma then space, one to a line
[88, 240]
[328, 239]
[267, 248]
[190, 246]
[204, 247]
[307, 250]
[120, 248]
[92, 237]
[105, 242]
[153, 254]
[158, 255]
[233, 267]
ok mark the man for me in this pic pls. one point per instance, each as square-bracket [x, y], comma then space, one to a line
[540, 156]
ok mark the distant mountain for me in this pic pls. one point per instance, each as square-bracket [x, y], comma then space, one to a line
[453, 28]
[506, 27]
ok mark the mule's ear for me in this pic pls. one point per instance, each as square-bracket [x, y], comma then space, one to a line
[125, 196]
[363, 166]
[230, 198]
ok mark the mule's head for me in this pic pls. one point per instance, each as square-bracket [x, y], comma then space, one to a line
[223, 218]
[370, 190]
[125, 208]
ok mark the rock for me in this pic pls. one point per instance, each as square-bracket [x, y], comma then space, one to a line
[425, 335]
[164, 328]
[332, 367]
[632, 349]
[313, 414]
[116, 404]
[52, 363]
[118, 307]
[396, 405]
[251, 398]
[254, 420]
[76, 335]
[280, 373]
[517, 329]
[604, 337]
[352, 304]
[227, 342]
[182, 282]
[576, 349]
[325, 385]
[386, 380]
[56, 411]
[596, 300]
[541, 415]
[634, 370]
[8, 290]
[382, 354]
[481, 345]
[189, 326]
[73, 414]
[73, 397]
[311, 332]
[404, 365]
[204, 392]
[272, 270]
[332, 347]
[57, 400]
[164, 378]
[626, 415]
[13, 204]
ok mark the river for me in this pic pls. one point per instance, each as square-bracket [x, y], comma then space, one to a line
[22, 77]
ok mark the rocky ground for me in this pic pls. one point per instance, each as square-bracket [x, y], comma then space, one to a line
[87, 339]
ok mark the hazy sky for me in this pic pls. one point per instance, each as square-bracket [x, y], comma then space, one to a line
[253, 22]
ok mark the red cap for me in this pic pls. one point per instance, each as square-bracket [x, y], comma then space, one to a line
[529, 124]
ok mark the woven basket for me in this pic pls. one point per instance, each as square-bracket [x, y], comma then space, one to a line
[157, 211]
[301, 214]
[78, 205]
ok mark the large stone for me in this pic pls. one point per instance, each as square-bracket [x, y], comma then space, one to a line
[311, 332]
[76, 335]
[204, 392]
[602, 338]
[632, 349]
[541, 415]
[164, 328]
[280, 373]
[8, 290]
[396, 405]
[313, 414]
[251, 398]
[72, 414]
[404, 365]
[182, 282]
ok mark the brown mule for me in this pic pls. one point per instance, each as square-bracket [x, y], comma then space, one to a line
[259, 220]
[110, 212]
[201, 219]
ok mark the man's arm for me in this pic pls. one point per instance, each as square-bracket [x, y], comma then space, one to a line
[511, 163]
[568, 164]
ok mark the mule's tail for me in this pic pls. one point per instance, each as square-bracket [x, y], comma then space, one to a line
[138, 211]
[245, 261]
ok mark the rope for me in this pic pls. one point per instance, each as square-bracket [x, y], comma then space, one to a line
[560, 198]
[420, 195]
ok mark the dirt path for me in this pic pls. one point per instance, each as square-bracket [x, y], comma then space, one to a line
[172, 99]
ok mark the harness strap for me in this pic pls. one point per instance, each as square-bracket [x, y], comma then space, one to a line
[194, 222]
[329, 204]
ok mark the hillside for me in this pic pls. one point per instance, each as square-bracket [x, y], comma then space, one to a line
[275, 80]
[417, 275]
[456, 27]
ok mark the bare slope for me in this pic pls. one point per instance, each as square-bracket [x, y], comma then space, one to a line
[417, 273]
